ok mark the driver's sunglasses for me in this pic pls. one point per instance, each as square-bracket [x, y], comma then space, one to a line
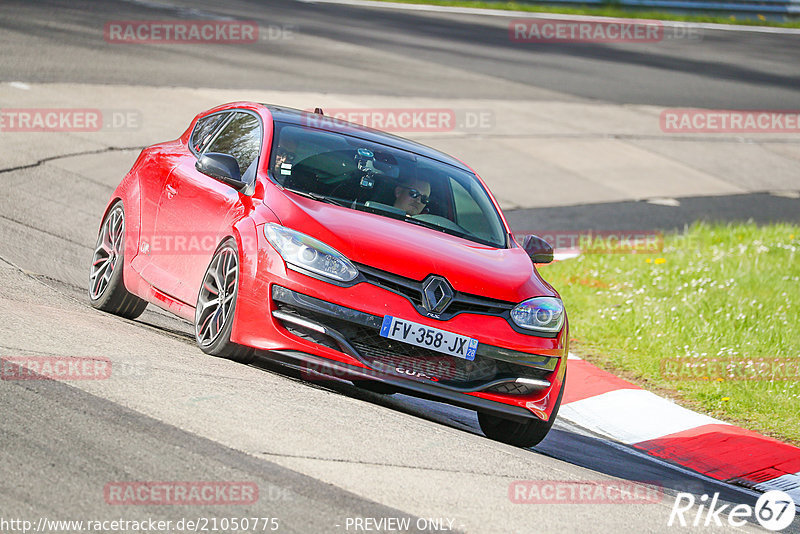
[413, 193]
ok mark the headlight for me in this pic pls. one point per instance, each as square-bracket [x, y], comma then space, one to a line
[545, 314]
[305, 252]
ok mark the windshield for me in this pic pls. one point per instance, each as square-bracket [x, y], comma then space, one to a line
[367, 176]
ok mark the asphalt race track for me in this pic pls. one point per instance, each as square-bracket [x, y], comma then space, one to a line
[439, 55]
[323, 454]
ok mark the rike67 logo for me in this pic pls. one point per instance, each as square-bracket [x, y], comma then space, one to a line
[774, 510]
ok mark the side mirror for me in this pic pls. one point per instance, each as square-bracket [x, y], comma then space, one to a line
[221, 167]
[538, 249]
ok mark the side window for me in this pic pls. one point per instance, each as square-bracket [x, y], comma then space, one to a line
[241, 138]
[294, 144]
[204, 130]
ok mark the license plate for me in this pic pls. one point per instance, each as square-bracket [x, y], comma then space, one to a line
[429, 338]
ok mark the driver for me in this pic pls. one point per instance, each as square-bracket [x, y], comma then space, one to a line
[413, 196]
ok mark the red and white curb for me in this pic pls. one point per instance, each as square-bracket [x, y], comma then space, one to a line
[614, 408]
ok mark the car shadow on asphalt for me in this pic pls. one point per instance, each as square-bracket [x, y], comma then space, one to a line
[565, 442]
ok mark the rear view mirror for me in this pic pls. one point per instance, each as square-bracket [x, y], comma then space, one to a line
[223, 167]
[538, 249]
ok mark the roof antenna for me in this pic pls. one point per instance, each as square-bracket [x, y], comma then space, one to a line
[318, 111]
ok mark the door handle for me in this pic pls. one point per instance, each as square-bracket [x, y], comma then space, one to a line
[171, 192]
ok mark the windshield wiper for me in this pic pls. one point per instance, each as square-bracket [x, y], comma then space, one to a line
[320, 198]
[433, 226]
[456, 233]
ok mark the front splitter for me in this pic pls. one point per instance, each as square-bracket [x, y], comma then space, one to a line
[311, 364]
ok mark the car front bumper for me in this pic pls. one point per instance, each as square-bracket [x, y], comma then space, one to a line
[325, 329]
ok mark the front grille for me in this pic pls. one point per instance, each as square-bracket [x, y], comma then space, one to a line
[381, 351]
[412, 290]
[409, 291]
[413, 362]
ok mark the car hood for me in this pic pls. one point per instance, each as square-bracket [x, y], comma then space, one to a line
[413, 251]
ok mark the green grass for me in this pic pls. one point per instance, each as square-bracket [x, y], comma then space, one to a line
[716, 291]
[607, 11]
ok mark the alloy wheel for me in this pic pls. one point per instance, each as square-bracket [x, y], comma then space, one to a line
[217, 293]
[107, 253]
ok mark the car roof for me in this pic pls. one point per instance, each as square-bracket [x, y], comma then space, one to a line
[307, 119]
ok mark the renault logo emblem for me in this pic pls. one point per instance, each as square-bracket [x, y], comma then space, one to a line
[436, 294]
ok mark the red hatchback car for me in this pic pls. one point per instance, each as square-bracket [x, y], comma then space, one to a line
[339, 250]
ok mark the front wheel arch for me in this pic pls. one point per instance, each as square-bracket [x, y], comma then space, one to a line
[520, 434]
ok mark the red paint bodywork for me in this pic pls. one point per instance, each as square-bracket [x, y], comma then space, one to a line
[165, 197]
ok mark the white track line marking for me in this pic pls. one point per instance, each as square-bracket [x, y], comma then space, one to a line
[565, 254]
[788, 483]
[671, 202]
[550, 16]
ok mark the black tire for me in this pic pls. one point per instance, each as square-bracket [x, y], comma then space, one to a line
[213, 325]
[527, 434]
[106, 285]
